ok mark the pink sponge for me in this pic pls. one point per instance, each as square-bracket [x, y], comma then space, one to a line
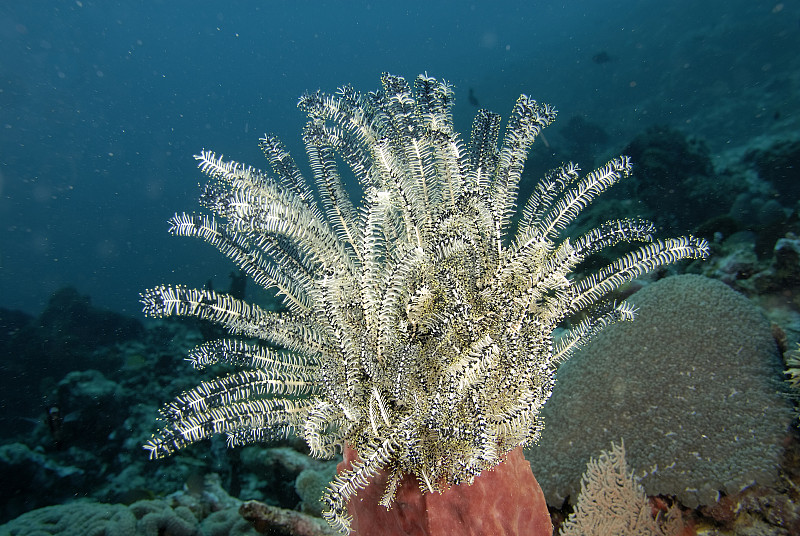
[503, 501]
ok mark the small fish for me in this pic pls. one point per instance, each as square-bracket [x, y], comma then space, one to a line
[473, 100]
[602, 57]
[55, 423]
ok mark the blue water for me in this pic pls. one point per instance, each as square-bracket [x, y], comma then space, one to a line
[103, 104]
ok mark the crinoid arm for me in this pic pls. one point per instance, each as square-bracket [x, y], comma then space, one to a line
[416, 328]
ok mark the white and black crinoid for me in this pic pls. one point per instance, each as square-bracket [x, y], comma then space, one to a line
[416, 328]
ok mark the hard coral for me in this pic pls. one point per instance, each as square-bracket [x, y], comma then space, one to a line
[693, 387]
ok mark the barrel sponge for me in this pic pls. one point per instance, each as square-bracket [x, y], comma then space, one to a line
[693, 386]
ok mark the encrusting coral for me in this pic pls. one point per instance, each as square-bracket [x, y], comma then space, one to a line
[417, 329]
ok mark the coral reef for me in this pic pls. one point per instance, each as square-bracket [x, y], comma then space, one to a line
[99, 456]
[91, 403]
[32, 480]
[209, 511]
[771, 282]
[779, 165]
[89, 380]
[66, 336]
[675, 179]
[137, 373]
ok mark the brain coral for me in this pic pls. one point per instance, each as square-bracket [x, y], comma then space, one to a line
[692, 385]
